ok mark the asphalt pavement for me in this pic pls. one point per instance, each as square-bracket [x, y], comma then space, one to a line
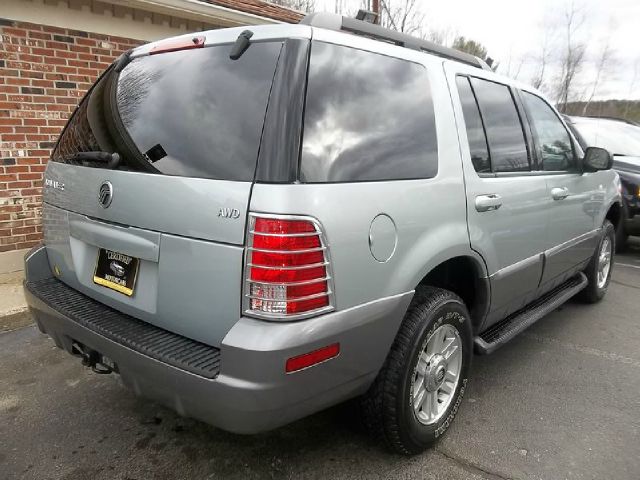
[561, 401]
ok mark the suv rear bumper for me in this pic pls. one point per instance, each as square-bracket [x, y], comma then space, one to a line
[250, 392]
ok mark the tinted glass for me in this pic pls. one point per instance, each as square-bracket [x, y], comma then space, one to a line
[552, 139]
[205, 110]
[367, 117]
[475, 131]
[504, 130]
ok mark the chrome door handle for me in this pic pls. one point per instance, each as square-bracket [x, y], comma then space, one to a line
[559, 193]
[488, 203]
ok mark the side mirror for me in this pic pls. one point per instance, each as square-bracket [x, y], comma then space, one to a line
[596, 158]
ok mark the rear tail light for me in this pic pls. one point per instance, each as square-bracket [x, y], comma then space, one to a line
[287, 268]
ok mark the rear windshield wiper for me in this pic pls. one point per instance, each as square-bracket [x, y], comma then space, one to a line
[241, 44]
[111, 160]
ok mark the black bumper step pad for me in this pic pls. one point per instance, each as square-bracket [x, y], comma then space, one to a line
[157, 343]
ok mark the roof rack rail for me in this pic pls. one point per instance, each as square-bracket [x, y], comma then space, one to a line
[333, 21]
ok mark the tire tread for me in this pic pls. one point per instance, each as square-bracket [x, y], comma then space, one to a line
[379, 406]
[591, 293]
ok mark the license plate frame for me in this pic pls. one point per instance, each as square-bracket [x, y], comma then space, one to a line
[116, 271]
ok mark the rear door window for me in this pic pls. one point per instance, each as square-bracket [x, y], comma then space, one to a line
[505, 134]
[194, 113]
[368, 117]
[475, 131]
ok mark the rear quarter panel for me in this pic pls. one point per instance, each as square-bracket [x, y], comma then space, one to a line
[429, 215]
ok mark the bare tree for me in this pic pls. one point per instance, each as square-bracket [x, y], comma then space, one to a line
[544, 57]
[343, 7]
[603, 61]
[442, 36]
[632, 85]
[300, 5]
[517, 67]
[573, 55]
[513, 67]
[401, 15]
[349, 8]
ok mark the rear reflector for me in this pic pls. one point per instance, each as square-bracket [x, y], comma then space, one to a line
[312, 358]
[175, 44]
[287, 267]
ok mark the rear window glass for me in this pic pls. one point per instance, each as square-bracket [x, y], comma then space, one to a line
[193, 113]
[368, 117]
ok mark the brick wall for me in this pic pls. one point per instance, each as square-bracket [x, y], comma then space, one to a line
[44, 72]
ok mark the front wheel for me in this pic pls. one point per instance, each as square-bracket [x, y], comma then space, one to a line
[418, 391]
[598, 271]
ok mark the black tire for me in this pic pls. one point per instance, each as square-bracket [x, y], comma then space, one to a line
[592, 293]
[621, 238]
[386, 409]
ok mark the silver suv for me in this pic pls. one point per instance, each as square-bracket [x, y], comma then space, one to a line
[250, 226]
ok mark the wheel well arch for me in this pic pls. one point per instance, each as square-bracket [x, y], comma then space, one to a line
[465, 276]
[614, 214]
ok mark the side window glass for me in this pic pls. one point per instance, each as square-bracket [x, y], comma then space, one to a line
[368, 117]
[475, 131]
[551, 138]
[507, 144]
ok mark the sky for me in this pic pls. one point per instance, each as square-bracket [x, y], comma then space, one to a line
[513, 32]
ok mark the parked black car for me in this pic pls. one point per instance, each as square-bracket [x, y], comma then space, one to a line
[622, 139]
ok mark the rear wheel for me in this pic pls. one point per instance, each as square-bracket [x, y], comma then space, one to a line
[598, 271]
[418, 392]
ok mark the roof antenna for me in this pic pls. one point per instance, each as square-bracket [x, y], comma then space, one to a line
[241, 45]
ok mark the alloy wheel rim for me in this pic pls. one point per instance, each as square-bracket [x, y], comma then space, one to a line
[437, 374]
[604, 262]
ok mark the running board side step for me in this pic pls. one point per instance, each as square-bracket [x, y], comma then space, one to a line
[503, 331]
